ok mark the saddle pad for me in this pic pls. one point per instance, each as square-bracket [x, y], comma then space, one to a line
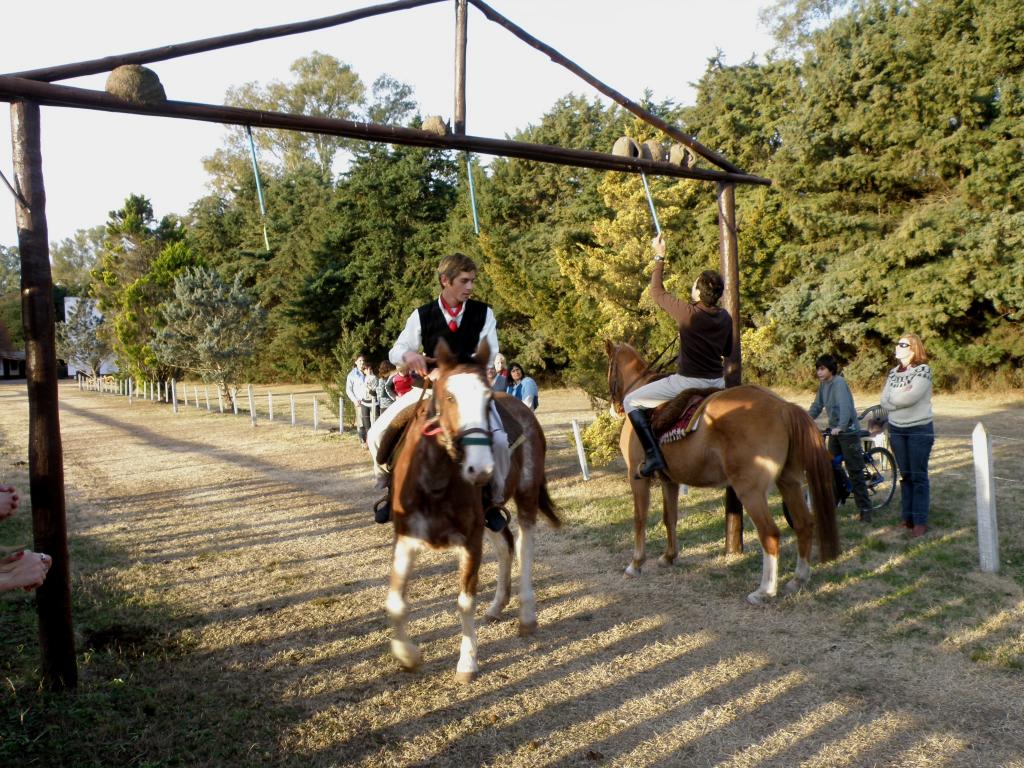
[681, 415]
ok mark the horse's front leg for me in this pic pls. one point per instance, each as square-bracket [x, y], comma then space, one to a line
[402, 647]
[468, 574]
[641, 488]
[502, 543]
[527, 600]
[670, 505]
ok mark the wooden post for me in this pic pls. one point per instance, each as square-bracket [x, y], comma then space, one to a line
[580, 453]
[341, 415]
[985, 493]
[459, 116]
[220, 398]
[316, 418]
[252, 406]
[45, 450]
[206, 392]
[270, 406]
[195, 393]
[728, 249]
[173, 394]
[291, 400]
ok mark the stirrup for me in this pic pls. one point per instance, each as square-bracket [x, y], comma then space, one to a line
[382, 509]
[496, 518]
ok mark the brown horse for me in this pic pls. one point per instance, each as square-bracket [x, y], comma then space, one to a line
[748, 438]
[445, 460]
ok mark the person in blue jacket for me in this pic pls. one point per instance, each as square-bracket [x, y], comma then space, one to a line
[522, 386]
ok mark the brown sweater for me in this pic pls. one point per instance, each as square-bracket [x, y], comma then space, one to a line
[705, 333]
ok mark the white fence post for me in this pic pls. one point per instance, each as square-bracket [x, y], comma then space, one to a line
[341, 415]
[220, 398]
[234, 400]
[580, 453]
[195, 392]
[985, 491]
[316, 418]
[270, 406]
[252, 408]
[174, 397]
[291, 400]
[206, 391]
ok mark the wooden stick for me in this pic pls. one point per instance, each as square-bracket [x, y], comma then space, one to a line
[165, 52]
[46, 452]
[13, 89]
[611, 93]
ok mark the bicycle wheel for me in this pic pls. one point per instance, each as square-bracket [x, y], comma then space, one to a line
[879, 476]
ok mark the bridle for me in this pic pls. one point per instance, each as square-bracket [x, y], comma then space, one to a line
[453, 444]
[613, 376]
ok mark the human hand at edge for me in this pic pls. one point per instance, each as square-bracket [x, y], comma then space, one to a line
[416, 363]
[25, 569]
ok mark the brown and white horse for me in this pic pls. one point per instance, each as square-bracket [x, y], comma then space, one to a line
[748, 438]
[437, 478]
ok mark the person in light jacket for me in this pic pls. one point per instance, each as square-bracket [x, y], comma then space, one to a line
[907, 397]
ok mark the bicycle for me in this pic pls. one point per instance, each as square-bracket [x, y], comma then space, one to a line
[879, 468]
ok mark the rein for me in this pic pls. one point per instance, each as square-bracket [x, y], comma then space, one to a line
[649, 369]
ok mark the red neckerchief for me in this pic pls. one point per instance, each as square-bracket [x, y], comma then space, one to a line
[453, 313]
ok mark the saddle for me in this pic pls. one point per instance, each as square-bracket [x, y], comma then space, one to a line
[678, 417]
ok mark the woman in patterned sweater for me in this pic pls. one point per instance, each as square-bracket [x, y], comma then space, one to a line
[908, 399]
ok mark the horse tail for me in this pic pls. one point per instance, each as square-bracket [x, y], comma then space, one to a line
[547, 506]
[807, 448]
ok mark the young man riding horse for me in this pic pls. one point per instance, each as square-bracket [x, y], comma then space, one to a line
[705, 338]
[463, 323]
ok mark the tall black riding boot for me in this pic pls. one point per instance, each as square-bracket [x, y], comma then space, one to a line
[653, 461]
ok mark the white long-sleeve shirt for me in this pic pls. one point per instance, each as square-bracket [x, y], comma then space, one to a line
[411, 338]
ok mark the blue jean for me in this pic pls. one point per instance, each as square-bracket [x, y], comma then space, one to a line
[912, 446]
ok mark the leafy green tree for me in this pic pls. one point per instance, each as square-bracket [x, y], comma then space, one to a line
[211, 328]
[80, 340]
[378, 260]
[74, 258]
[12, 333]
[322, 87]
[135, 272]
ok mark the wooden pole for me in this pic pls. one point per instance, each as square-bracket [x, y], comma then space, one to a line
[45, 451]
[728, 248]
[165, 52]
[611, 93]
[459, 116]
[13, 88]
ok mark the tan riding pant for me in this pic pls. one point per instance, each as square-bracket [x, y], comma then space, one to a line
[657, 392]
[502, 456]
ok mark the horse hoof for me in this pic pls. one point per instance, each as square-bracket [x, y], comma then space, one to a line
[492, 618]
[408, 655]
[758, 598]
[631, 571]
[527, 628]
[794, 586]
[666, 561]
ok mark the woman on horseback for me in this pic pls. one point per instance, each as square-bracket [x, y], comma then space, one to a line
[705, 339]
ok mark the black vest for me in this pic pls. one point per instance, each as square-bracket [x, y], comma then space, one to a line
[462, 342]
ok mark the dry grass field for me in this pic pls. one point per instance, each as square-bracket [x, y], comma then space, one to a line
[228, 587]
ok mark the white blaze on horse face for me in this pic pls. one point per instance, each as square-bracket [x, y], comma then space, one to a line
[472, 397]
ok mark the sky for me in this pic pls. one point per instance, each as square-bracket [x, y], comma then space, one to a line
[93, 160]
